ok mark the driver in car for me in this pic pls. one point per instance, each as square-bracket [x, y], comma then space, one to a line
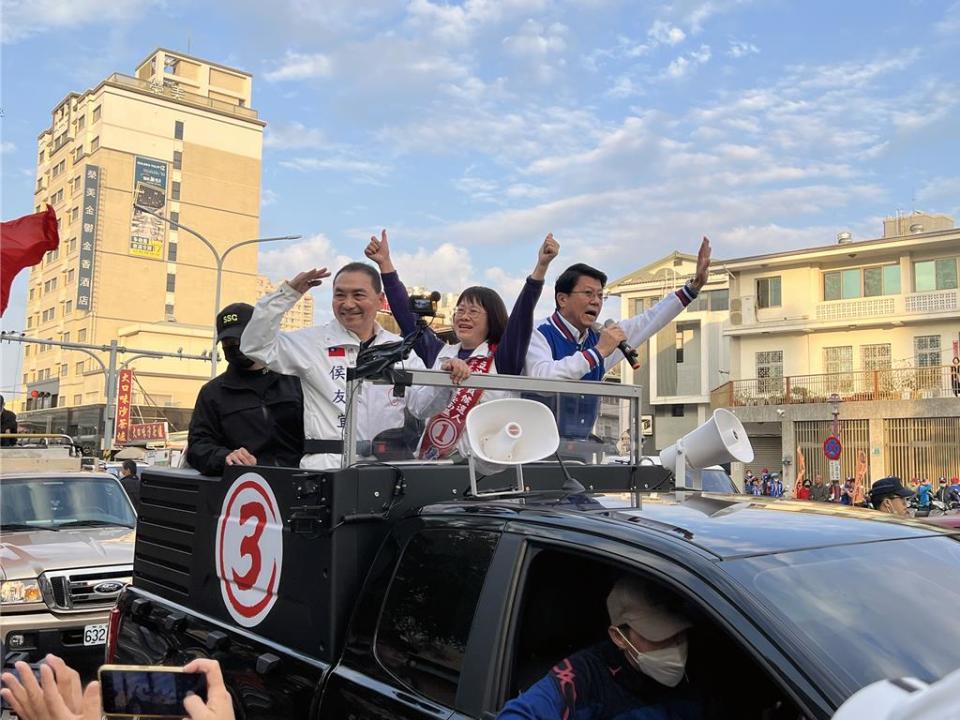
[639, 671]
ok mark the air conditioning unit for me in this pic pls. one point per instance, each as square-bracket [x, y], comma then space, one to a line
[736, 311]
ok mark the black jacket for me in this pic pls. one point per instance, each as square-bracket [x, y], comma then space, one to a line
[261, 411]
[8, 424]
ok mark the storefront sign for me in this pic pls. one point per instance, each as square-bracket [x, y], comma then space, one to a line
[88, 236]
[148, 431]
[124, 399]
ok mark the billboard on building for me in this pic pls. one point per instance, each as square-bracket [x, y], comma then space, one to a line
[124, 400]
[147, 233]
[88, 236]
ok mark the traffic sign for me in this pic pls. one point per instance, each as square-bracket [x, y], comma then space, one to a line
[832, 448]
[834, 470]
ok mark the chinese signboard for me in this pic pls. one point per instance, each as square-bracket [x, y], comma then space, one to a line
[88, 236]
[148, 431]
[124, 398]
[149, 191]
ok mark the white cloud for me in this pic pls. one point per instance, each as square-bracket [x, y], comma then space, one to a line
[281, 262]
[447, 268]
[666, 34]
[7, 147]
[23, 19]
[298, 66]
[457, 24]
[950, 24]
[294, 135]
[682, 66]
[268, 197]
[942, 193]
[535, 40]
[739, 49]
[363, 170]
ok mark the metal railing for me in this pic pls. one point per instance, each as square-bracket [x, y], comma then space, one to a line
[911, 383]
[175, 92]
[513, 383]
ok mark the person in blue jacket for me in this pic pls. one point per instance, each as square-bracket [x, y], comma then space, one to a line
[924, 494]
[638, 672]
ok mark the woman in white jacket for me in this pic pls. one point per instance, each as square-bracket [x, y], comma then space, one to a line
[488, 342]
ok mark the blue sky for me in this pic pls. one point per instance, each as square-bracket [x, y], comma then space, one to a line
[470, 130]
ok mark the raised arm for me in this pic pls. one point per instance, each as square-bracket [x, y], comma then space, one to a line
[511, 353]
[428, 345]
[262, 339]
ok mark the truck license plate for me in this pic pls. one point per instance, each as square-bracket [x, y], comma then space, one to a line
[95, 634]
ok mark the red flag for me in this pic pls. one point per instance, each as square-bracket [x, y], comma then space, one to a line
[23, 243]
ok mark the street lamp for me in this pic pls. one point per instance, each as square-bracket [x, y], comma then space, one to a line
[219, 258]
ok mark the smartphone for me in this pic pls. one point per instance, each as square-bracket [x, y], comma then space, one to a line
[148, 690]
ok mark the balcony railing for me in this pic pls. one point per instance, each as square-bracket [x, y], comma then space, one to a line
[910, 383]
[175, 92]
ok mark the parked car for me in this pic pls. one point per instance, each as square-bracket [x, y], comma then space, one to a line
[467, 602]
[66, 552]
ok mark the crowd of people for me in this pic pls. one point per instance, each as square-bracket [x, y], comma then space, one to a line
[283, 398]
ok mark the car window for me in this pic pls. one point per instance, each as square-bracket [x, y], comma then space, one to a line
[55, 502]
[429, 608]
[870, 611]
[716, 481]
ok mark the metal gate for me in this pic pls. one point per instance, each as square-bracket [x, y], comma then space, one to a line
[766, 454]
[854, 436]
[922, 447]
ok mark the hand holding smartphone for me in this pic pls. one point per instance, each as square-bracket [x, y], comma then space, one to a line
[148, 691]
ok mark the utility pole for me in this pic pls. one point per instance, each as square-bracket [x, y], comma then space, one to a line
[109, 370]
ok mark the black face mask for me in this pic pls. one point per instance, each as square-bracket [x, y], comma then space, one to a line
[237, 358]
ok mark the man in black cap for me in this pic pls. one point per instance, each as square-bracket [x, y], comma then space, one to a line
[890, 496]
[248, 415]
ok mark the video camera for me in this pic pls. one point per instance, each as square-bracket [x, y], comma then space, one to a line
[424, 305]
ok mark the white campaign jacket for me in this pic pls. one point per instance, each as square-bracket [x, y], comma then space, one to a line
[425, 402]
[313, 354]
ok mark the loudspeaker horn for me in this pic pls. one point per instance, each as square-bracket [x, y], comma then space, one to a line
[719, 440]
[509, 432]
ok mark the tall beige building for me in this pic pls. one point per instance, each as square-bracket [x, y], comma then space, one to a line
[179, 137]
[299, 316]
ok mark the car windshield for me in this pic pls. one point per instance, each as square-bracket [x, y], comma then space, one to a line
[869, 611]
[715, 480]
[52, 503]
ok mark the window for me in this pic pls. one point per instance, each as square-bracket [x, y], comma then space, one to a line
[171, 252]
[676, 411]
[719, 300]
[57, 197]
[429, 608]
[31, 293]
[63, 370]
[82, 335]
[926, 348]
[74, 214]
[71, 274]
[769, 371]
[175, 217]
[81, 122]
[875, 357]
[59, 168]
[78, 369]
[75, 184]
[171, 282]
[679, 346]
[96, 113]
[78, 156]
[935, 275]
[178, 130]
[95, 144]
[53, 255]
[838, 363]
[768, 292]
[78, 399]
[168, 311]
[175, 190]
[68, 307]
[29, 325]
[177, 160]
[65, 337]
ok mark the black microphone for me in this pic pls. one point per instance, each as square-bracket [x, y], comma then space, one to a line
[628, 352]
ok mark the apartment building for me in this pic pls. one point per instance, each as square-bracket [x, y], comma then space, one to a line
[181, 139]
[861, 332]
[299, 316]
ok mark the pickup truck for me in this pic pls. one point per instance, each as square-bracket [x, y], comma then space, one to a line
[380, 591]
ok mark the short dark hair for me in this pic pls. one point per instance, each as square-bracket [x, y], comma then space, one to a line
[490, 301]
[363, 267]
[130, 466]
[568, 278]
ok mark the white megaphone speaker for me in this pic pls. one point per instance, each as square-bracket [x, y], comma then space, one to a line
[509, 432]
[719, 440]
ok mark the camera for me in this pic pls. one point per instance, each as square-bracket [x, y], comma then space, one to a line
[424, 305]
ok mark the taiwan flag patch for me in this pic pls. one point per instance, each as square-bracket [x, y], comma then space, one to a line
[336, 352]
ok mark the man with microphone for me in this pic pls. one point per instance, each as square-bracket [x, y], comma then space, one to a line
[569, 345]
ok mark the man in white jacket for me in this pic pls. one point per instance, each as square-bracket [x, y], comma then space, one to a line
[320, 357]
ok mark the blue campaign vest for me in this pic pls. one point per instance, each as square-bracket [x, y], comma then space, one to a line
[576, 414]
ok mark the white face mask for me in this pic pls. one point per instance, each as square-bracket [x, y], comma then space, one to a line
[666, 665]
